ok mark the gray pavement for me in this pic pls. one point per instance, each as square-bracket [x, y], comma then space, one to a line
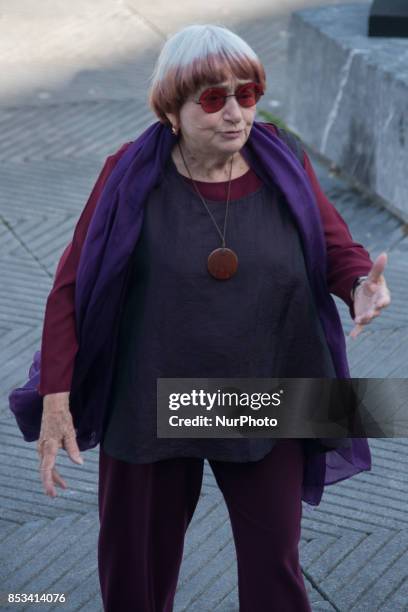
[72, 89]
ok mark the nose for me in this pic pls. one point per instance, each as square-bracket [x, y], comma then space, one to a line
[232, 110]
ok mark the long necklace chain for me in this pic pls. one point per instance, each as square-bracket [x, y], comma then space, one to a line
[222, 234]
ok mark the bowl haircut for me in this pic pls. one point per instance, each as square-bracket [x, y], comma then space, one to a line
[197, 56]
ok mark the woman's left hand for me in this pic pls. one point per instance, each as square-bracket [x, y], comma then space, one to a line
[371, 296]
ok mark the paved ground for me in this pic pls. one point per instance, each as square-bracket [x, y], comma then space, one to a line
[73, 81]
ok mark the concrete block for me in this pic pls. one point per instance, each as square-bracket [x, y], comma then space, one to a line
[347, 97]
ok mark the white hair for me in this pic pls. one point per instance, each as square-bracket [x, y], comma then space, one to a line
[198, 41]
[195, 55]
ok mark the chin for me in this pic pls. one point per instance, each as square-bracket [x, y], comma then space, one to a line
[237, 144]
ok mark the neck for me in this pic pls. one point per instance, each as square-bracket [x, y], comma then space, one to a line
[217, 166]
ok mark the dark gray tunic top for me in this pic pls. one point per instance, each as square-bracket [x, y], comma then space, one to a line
[178, 321]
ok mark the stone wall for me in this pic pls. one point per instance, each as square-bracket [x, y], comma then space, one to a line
[347, 96]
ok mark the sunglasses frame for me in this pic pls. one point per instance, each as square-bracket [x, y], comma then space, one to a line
[258, 91]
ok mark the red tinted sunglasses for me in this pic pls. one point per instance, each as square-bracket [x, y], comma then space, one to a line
[213, 99]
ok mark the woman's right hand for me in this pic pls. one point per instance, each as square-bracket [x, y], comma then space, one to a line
[57, 431]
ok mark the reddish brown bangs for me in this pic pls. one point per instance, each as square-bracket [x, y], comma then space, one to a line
[170, 93]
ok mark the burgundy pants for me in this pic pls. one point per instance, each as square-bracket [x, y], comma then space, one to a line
[145, 510]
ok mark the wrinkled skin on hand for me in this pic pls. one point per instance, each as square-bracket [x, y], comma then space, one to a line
[371, 296]
[57, 431]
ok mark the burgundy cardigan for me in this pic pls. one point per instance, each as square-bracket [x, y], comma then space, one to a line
[346, 260]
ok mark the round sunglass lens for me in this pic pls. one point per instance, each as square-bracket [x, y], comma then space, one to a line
[213, 104]
[248, 95]
[212, 101]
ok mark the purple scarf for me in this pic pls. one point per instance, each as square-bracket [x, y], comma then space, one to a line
[101, 285]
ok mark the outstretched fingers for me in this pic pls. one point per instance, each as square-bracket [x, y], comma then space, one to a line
[71, 446]
[378, 268]
[48, 452]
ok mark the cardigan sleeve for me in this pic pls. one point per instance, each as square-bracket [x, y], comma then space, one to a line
[59, 343]
[346, 259]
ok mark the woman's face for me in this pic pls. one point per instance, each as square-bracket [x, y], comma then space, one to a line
[206, 133]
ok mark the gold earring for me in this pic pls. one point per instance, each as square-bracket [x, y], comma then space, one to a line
[174, 130]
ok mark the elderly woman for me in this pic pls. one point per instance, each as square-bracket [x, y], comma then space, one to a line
[206, 249]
